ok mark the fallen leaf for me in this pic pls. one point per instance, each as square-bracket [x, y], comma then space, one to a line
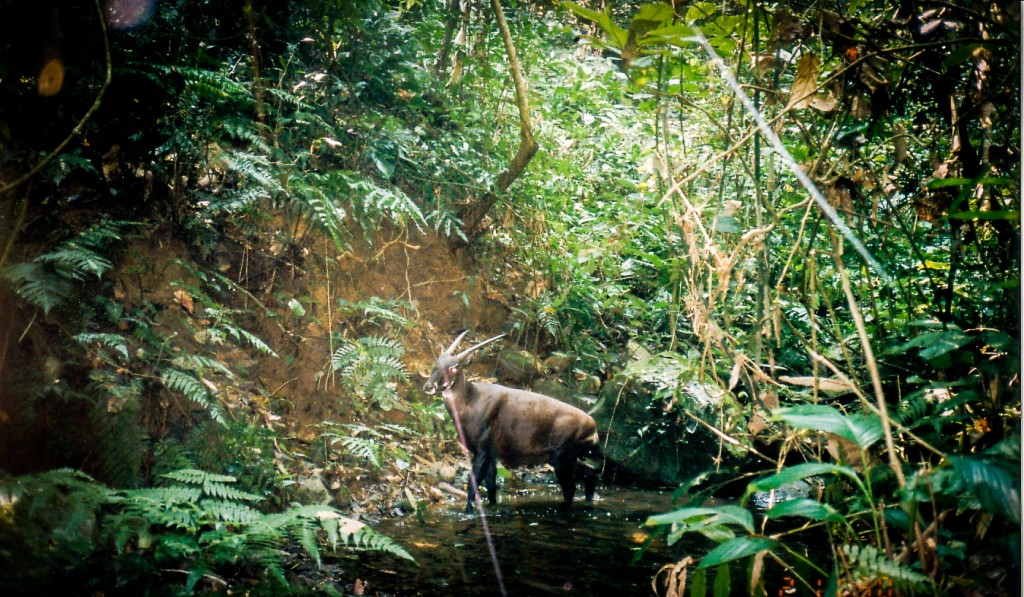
[805, 85]
[825, 384]
[182, 298]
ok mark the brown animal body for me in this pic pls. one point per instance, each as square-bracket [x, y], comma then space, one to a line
[517, 427]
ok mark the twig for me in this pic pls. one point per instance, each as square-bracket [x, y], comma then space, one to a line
[729, 438]
[869, 358]
[81, 123]
[14, 230]
[790, 162]
[873, 408]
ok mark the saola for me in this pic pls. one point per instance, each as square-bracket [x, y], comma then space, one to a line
[517, 427]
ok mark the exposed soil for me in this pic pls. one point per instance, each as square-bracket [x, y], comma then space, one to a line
[294, 393]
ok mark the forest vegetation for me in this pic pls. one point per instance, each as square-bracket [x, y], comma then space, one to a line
[765, 244]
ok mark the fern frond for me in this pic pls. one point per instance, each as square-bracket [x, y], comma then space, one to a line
[208, 85]
[342, 530]
[118, 431]
[229, 511]
[222, 490]
[363, 447]
[376, 310]
[370, 201]
[47, 280]
[447, 222]
[76, 261]
[65, 164]
[370, 368]
[377, 346]
[113, 341]
[172, 494]
[243, 128]
[253, 167]
[200, 363]
[193, 389]
[171, 507]
[325, 213]
[870, 563]
[193, 476]
[253, 340]
[547, 318]
[36, 285]
[395, 428]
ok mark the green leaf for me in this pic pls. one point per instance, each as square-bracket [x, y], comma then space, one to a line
[699, 583]
[799, 472]
[114, 341]
[735, 549]
[720, 515]
[861, 429]
[726, 224]
[995, 487]
[616, 34]
[997, 214]
[941, 183]
[805, 508]
[961, 54]
[934, 344]
[677, 35]
[723, 582]
[296, 308]
[35, 284]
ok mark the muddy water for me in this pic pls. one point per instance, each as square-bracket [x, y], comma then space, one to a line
[541, 550]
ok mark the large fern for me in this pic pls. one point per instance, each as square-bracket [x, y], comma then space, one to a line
[313, 199]
[868, 563]
[117, 428]
[206, 86]
[47, 525]
[191, 386]
[37, 285]
[115, 342]
[377, 311]
[198, 521]
[47, 281]
[370, 369]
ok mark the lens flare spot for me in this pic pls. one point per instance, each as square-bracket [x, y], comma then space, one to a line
[125, 14]
[51, 77]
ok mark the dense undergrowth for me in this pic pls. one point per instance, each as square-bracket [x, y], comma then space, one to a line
[217, 293]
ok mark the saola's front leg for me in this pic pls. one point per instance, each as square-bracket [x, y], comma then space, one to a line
[484, 472]
[565, 473]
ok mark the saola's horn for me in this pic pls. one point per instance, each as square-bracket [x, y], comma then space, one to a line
[475, 347]
[456, 343]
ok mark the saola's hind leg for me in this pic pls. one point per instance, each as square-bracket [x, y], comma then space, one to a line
[589, 479]
[565, 472]
[490, 480]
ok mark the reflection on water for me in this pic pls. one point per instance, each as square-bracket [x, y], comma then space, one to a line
[541, 550]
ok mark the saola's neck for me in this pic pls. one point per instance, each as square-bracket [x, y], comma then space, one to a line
[460, 391]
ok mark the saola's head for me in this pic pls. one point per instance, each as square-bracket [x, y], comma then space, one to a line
[449, 366]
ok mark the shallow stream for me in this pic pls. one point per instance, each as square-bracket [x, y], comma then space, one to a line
[541, 550]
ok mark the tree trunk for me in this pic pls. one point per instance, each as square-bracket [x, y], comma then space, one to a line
[254, 49]
[449, 32]
[473, 217]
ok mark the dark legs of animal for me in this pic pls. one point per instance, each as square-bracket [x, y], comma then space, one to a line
[567, 472]
[491, 480]
[589, 479]
[566, 475]
[485, 472]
